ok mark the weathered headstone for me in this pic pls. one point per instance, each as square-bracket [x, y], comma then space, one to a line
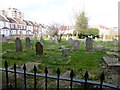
[55, 39]
[18, 44]
[115, 42]
[42, 40]
[76, 45]
[51, 40]
[89, 44]
[65, 52]
[28, 44]
[39, 48]
[70, 42]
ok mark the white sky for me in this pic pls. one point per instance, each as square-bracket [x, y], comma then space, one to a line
[103, 12]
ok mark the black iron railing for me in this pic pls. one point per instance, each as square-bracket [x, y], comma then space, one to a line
[86, 82]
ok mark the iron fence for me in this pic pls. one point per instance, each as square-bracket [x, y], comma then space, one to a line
[85, 81]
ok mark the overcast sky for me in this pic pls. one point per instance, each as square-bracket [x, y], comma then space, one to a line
[103, 12]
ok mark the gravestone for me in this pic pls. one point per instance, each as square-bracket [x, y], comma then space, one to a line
[100, 48]
[18, 44]
[89, 44]
[55, 39]
[35, 38]
[84, 41]
[42, 40]
[76, 45]
[28, 44]
[51, 40]
[65, 52]
[39, 48]
[115, 42]
[70, 42]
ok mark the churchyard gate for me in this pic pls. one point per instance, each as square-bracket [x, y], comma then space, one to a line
[86, 82]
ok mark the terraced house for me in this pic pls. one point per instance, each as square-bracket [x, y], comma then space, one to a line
[12, 23]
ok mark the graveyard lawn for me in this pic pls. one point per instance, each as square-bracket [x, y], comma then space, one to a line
[79, 60]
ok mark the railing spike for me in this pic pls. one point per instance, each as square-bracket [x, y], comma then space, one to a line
[6, 64]
[14, 65]
[102, 77]
[35, 69]
[71, 73]
[86, 75]
[46, 71]
[58, 71]
[24, 67]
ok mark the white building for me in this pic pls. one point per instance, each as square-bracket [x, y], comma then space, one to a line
[12, 12]
[4, 26]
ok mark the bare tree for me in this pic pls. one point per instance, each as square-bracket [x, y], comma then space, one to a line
[56, 28]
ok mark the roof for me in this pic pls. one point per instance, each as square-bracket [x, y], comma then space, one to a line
[19, 21]
[27, 23]
[3, 18]
[12, 20]
[36, 24]
[32, 23]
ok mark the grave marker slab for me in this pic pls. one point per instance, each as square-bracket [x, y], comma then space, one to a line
[39, 48]
[70, 42]
[65, 52]
[115, 42]
[42, 40]
[89, 44]
[76, 45]
[28, 44]
[18, 44]
[51, 40]
[55, 39]
[111, 62]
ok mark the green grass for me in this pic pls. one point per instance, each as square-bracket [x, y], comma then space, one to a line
[79, 61]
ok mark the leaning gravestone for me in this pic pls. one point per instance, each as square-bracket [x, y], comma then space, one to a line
[18, 44]
[76, 45]
[65, 52]
[89, 44]
[70, 42]
[115, 42]
[55, 39]
[28, 44]
[39, 48]
[42, 40]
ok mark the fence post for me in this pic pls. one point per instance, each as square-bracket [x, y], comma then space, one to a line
[71, 76]
[24, 68]
[86, 78]
[102, 78]
[35, 70]
[6, 69]
[58, 73]
[15, 76]
[46, 72]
